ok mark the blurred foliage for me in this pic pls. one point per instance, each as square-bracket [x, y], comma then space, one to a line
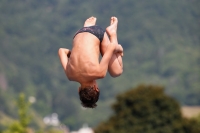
[161, 46]
[146, 109]
[20, 125]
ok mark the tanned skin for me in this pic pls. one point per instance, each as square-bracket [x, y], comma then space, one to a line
[82, 64]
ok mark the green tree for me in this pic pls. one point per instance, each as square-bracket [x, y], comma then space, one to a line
[146, 109]
[21, 125]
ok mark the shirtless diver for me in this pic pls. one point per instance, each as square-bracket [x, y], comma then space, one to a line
[82, 64]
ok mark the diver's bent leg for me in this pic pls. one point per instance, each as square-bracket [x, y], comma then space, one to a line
[115, 66]
[112, 30]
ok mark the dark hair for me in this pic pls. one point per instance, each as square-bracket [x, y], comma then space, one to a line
[89, 96]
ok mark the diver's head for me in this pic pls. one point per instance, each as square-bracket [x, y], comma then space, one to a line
[89, 95]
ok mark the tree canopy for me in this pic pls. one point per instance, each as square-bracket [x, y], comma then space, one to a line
[146, 109]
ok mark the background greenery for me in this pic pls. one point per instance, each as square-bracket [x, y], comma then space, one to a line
[149, 111]
[161, 41]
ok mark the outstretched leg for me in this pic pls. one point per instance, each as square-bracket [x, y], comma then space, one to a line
[90, 21]
[112, 30]
[115, 66]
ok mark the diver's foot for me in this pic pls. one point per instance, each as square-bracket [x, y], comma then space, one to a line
[112, 29]
[90, 21]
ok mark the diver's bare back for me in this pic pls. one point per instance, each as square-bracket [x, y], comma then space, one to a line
[84, 58]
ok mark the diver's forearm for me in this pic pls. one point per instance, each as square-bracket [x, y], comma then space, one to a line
[103, 67]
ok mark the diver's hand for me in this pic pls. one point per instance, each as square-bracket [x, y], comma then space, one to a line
[119, 49]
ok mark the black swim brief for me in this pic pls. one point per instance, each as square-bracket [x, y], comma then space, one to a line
[95, 30]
